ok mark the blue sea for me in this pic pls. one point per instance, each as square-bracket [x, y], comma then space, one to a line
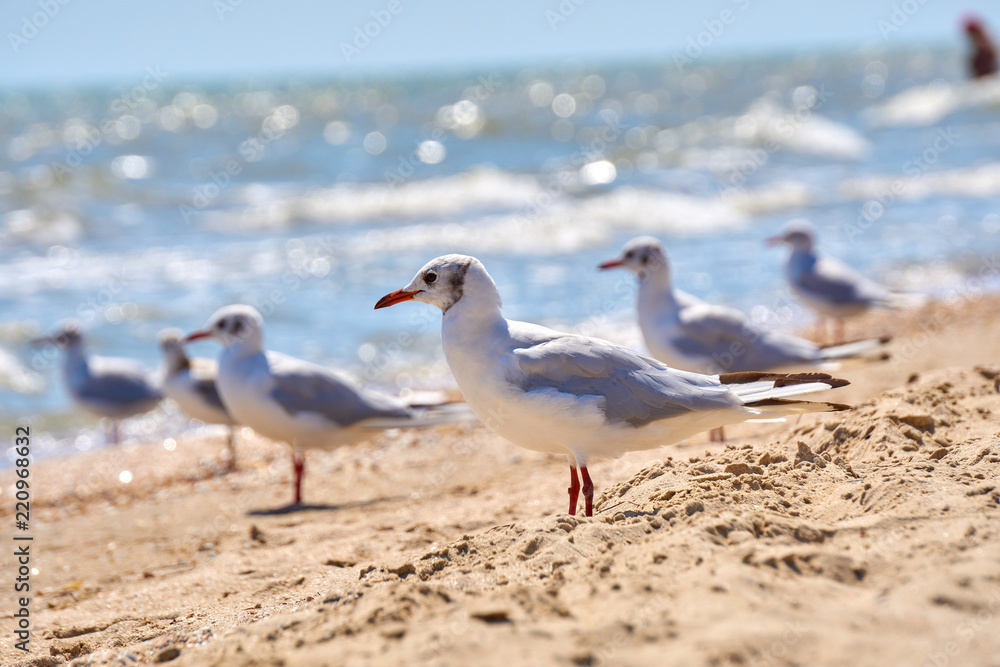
[150, 203]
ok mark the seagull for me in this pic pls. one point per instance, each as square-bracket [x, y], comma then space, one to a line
[577, 396]
[687, 333]
[110, 387]
[829, 286]
[297, 402]
[190, 382]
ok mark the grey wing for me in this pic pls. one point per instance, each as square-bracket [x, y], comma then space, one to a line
[709, 329]
[727, 334]
[315, 390]
[119, 386]
[636, 390]
[836, 282]
[207, 390]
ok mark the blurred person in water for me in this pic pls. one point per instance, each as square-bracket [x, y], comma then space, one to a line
[983, 58]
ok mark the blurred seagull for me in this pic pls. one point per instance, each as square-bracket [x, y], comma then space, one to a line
[829, 286]
[687, 333]
[110, 387]
[578, 396]
[190, 382]
[293, 401]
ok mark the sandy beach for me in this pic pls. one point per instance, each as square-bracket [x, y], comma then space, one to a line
[864, 537]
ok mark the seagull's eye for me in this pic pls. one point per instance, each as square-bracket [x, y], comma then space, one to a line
[430, 277]
[222, 324]
[630, 254]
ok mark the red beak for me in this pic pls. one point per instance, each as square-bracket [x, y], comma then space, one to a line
[775, 240]
[195, 335]
[610, 264]
[399, 296]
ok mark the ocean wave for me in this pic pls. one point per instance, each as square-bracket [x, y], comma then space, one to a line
[479, 189]
[931, 103]
[768, 124]
[982, 181]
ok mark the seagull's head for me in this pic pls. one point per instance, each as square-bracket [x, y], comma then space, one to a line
[642, 255]
[69, 335]
[800, 234]
[444, 282]
[234, 325]
[172, 346]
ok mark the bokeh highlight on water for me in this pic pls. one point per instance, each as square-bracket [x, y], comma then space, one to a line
[150, 204]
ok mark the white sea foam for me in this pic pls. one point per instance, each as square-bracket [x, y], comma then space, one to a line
[769, 125]
[477, 189]
[17, 377]
[930, 103]
[981, 181]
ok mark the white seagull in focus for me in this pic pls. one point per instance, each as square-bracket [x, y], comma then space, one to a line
[687, 333]
[577, 396]
[829, 286]
[190, 382]
[297, 402]
[111, 387]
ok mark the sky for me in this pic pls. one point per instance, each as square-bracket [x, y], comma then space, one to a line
[78, 42]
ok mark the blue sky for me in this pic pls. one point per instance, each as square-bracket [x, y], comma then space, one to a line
[92, 41]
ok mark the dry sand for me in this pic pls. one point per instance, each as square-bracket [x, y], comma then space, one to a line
[865, 537]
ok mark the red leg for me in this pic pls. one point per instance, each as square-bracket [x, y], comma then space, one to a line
[232, 448]
[299, 465]
[588, 490]
[716, 435]
[574, 490]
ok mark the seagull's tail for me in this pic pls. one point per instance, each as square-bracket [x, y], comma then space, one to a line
[767, 393]
[853, 349]
[425, 415]
[901, 300]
